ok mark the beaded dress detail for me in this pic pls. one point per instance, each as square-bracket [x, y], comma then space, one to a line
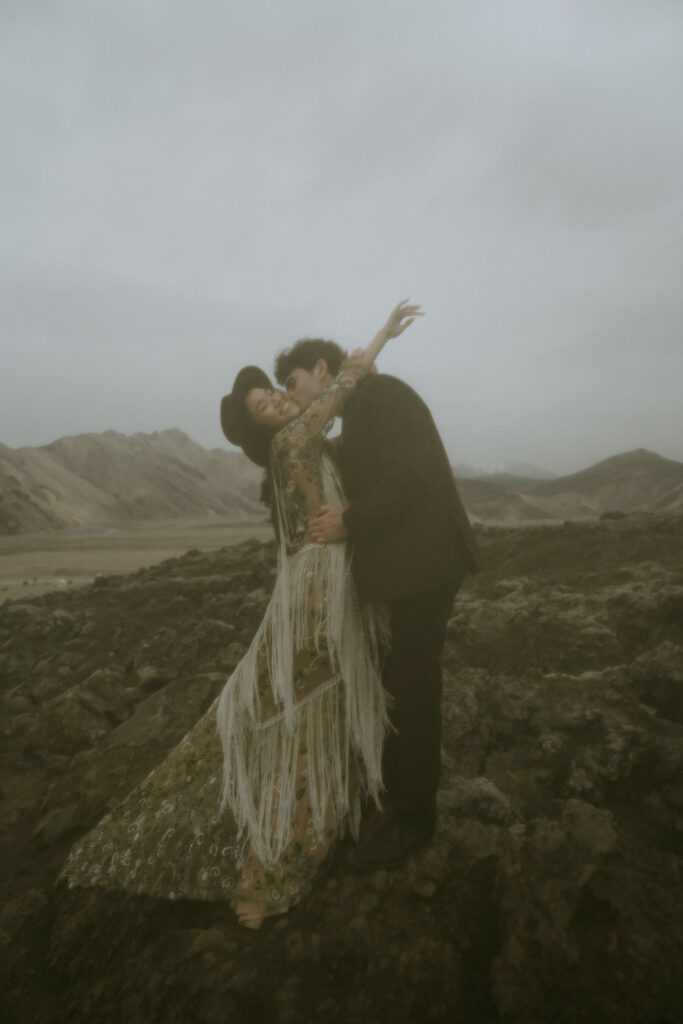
[250, 801]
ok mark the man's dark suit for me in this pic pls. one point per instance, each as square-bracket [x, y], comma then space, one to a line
[412, 546]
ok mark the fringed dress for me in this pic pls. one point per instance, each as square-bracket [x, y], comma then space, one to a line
[249, 803]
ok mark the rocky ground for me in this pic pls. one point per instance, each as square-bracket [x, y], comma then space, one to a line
[552, 891]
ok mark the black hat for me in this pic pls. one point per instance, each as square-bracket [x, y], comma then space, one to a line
[237, 424]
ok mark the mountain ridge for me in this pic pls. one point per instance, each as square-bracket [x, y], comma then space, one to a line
[113, 478]
[89, 479]
[633, 481]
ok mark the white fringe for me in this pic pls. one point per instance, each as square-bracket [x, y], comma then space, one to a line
[343, 720]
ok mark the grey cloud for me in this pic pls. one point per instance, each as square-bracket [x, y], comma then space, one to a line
[182, 184]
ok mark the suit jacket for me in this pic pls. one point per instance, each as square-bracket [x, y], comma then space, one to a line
[408, 527]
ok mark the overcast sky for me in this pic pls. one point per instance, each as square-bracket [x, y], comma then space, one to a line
[190, 186]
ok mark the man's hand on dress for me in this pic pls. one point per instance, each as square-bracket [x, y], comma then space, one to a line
[328, 526]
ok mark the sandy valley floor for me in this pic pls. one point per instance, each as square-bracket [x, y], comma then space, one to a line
[33, 564]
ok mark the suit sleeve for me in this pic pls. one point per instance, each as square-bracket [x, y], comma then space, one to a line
[404, 466]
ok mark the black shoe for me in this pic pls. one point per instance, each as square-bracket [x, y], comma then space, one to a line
[389, 847]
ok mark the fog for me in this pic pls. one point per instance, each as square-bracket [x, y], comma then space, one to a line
[185, 188]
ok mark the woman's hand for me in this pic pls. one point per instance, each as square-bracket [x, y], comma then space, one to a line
[400, 318]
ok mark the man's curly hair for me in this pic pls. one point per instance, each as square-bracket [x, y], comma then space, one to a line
[304, 354]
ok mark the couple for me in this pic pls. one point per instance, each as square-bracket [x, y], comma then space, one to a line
[299, 739]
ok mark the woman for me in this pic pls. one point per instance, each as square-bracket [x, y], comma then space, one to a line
[300, 721]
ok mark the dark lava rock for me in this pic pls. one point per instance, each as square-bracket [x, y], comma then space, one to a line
[552, 891]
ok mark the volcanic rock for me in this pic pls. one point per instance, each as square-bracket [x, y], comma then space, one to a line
[552, 891]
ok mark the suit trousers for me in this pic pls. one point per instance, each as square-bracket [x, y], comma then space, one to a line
[412, 677]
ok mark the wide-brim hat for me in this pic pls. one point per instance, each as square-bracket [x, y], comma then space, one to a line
[236, 421]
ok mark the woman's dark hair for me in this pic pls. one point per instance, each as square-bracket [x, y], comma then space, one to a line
[305, 353]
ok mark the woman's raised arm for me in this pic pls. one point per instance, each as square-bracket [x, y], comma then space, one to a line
[330, 402]
[400, 317]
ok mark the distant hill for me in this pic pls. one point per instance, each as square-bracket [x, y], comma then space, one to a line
[502, 470]
[114, 478]
[632, 482]
[637, 481]
[491, 502]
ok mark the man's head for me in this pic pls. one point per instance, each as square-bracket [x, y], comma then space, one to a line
[307, 368]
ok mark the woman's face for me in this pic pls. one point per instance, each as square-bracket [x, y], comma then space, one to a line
[270, 408]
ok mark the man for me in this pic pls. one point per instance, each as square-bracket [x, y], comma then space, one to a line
[412, 545]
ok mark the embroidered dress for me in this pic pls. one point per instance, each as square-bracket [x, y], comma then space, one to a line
[248, 804]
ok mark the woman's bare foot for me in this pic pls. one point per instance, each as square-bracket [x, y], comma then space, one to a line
[252, 914]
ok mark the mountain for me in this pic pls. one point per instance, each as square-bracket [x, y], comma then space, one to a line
[501, 470]
[492, 502]
[636, 481]
[114, 478]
